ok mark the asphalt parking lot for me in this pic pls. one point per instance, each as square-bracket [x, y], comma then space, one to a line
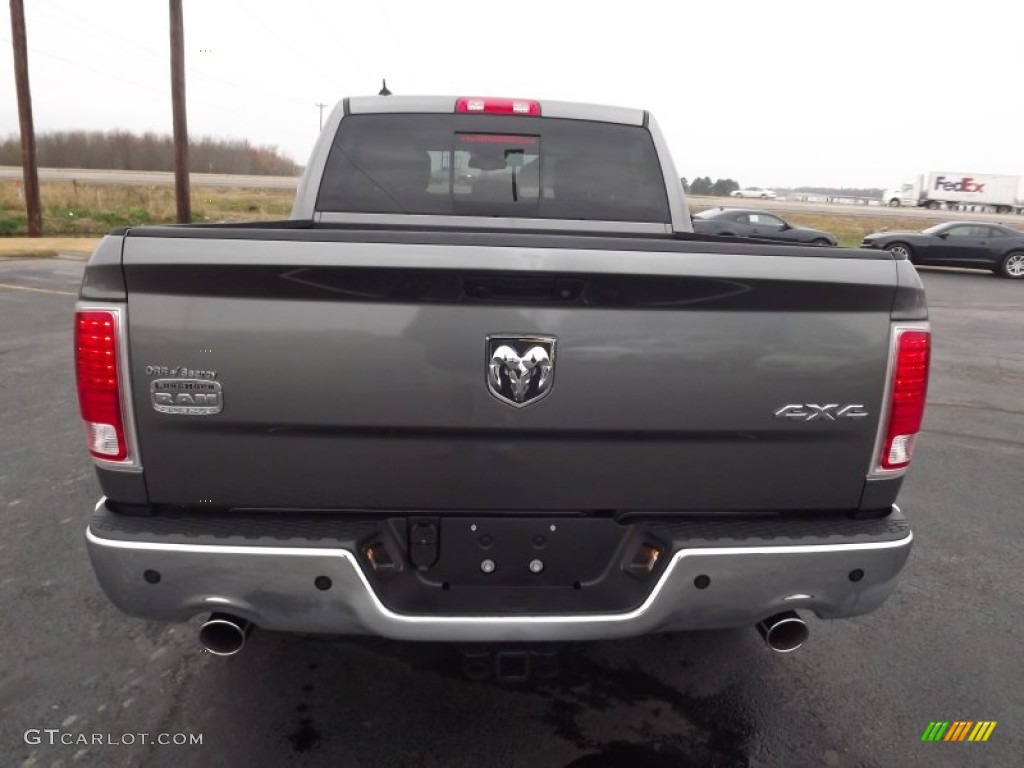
[947, 646]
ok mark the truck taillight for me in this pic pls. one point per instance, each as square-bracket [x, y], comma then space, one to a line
[97, 370]
[907, 391]
[486, 106]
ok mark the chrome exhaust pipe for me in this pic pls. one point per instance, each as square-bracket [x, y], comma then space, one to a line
[224, 634]
[783, 632]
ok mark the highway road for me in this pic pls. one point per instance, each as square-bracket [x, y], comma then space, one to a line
[947, 646]
[845, 209]
[153, 177]
[288, 182]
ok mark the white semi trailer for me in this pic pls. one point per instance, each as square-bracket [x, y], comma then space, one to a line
[999, 192]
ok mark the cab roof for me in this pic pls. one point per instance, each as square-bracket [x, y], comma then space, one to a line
[361, 105]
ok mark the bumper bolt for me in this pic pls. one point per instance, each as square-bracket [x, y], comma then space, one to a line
[536, 566]
[487, 566]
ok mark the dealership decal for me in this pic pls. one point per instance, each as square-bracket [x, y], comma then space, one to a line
[958, 730]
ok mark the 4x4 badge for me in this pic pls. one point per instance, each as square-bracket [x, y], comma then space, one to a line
[828, 412]
[520, 370]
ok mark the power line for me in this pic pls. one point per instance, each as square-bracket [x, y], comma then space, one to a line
[313, 68]
[153, 88]
[192, 69]
[382, 6]
[145, 86]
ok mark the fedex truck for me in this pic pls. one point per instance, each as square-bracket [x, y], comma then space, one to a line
[1003, 194]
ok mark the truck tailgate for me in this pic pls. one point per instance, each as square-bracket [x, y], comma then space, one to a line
[353, 375]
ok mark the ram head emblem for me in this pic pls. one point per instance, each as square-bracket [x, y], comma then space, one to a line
[520, 369]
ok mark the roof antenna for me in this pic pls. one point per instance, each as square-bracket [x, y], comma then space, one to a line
[384, 88]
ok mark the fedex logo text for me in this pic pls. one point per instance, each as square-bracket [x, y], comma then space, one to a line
[966, 184]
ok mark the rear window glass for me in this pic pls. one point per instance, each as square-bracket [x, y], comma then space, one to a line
[484, 165]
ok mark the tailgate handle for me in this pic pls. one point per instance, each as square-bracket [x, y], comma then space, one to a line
[489, 288]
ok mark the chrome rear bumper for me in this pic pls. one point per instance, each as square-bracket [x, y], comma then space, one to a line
[274, 587]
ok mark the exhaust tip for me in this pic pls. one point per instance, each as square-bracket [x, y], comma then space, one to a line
[784, 632]
[224, 635]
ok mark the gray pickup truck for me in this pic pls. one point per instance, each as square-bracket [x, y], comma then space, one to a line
[486, 385]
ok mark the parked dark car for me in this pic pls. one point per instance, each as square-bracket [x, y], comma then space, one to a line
[980, 245]
[741, 222]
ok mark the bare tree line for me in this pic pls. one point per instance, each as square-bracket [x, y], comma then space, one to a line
[122, 150]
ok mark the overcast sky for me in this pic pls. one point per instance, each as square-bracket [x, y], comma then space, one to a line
[833, 92]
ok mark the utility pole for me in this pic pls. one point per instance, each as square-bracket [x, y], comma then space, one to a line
[321, 105]
[28, 134]
[181, 180]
